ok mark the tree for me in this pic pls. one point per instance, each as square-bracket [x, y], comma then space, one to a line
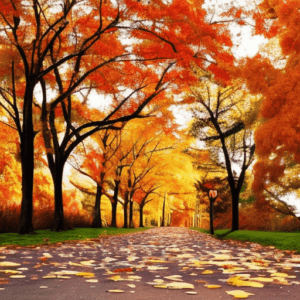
[275, 75]
[140, 142]
[221, 120]
[142, 198]
[66, 47]
[96, 161]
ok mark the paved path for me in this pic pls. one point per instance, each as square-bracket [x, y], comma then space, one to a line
[160, 263]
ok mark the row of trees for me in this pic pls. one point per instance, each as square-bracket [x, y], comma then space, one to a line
[68, 49]
[75, 73]
[126, 166]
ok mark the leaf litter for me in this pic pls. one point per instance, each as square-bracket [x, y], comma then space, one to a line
[198, 257]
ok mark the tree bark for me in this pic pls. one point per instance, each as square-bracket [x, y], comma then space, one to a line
[58, 199]
[141, 216]
[211, 216]
[125, 213]
[163, 212]
[131, 225]
[235, 211]
[130, 200]
[27, 161]
[97, 222]
[114, 205]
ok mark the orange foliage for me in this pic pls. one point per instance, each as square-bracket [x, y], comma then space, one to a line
[74, 215]
[9, 216]
[278, 136]
[259, 216]
[182, 219]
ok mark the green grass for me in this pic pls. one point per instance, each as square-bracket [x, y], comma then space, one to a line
[281, 240]
[42, 236]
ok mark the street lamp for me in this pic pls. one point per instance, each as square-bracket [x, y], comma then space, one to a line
[212, 195]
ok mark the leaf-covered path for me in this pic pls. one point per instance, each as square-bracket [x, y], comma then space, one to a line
[160, 263]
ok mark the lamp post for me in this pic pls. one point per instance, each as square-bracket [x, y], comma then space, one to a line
[212, 195]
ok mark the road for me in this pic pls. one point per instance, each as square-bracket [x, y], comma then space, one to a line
[160, 263]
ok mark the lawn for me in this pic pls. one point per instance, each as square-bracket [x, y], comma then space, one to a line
[281, 240]
[48, 236]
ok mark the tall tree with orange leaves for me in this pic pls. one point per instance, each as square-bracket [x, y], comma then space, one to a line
[275, 74]
[71, 46]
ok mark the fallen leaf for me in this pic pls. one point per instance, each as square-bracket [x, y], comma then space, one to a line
[154, 268]
[115, 291]
[3, 281]
[17, 276]
[134, 277]
[221, 257]
[237, 281]
[47, 255]
[92, 280]
[116, 278]
[174, 277]
[88, 262]
[279, 274]
[185, 255]
[10, 271]
[66, 272]
[123, 270]
[180, 285]
[263, 279]
[239, 294]
[213, 286]
[9, 264]
[85, 274]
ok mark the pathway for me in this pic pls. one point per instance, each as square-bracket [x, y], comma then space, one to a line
[160, 263]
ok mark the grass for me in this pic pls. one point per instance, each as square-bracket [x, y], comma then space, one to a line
[51, 237]
[281, 240]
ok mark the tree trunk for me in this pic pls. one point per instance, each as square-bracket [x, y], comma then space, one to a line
[97, 222]
[114, 205]
[130, 195]
[27, 161]
[211, 216]
[163, 212]
[58, 199]
[141, 215]
[131, 225]
[125, 214]
[235, 211]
